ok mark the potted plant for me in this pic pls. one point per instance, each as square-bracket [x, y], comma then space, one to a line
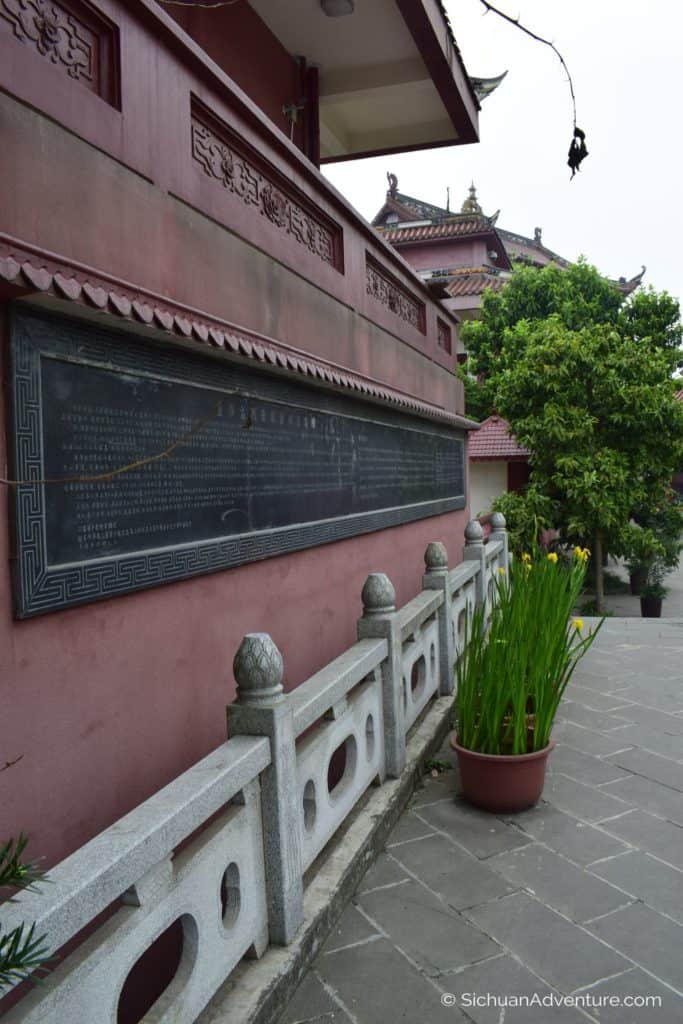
[654, 536]
[641, 547]
[511, 678]
[653, 592]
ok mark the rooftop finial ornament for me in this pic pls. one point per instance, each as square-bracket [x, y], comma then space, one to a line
[471, 204]
[393, 184]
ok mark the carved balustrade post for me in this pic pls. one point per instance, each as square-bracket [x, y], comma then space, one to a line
[499, 532]
[262, 709]
[476, 552]
[380, 620]
[436, 578]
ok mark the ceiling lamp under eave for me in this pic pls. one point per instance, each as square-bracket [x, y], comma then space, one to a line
[391, 77]
[337, 8]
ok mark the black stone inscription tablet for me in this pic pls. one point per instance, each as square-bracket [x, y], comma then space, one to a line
[156, 465]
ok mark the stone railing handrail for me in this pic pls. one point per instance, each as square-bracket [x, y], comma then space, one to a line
[461, 575]
[418, 610]
[87, 882]
[311, 699]
[224, 848]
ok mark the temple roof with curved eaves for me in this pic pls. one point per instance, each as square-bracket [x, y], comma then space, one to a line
[406, 221]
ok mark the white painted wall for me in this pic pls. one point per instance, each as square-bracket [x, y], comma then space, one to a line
[487, 481]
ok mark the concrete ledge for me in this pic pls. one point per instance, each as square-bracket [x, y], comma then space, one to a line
[258, 991]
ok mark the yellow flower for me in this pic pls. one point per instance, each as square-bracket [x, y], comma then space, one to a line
[577, 624]
[583, 554]
[552, 557]
[501, 571]
[526, 557]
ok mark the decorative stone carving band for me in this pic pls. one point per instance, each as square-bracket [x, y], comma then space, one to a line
[392, 295]
[225, 158]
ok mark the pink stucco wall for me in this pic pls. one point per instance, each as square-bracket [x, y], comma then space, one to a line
[106, 703]
[455, 253]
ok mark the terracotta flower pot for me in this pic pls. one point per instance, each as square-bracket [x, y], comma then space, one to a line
[651, 607]
[502, 783]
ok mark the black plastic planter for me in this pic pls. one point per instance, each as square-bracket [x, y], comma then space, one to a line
[651, 607]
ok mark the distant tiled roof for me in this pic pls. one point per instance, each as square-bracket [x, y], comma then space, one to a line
[679, 395]
[457, 227]
[494, 441]
[474, 283]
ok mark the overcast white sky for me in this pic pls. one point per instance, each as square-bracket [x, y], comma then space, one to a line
[624, 207]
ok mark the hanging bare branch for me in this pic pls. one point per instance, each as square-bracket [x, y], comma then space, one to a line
[577, 149]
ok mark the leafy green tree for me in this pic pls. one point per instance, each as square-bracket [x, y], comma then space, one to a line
[579, 295]
[598, 412]
[654, 318]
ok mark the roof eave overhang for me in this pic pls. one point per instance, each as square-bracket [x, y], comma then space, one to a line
[433, 40]
[427, 25]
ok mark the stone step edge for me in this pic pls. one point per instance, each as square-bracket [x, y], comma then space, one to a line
[258, 991]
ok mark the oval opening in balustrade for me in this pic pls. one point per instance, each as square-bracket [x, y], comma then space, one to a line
[342, 767]
[231, 898]
[159, 974]
[418, 676]
[432, 658]
[310, 810]
[461, 623]
[370, 737]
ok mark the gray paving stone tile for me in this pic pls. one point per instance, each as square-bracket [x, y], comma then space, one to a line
[505, 979]
[651, 940]
[635, 983]
[594, 680]
[656, 884]
[480, 833]
[590, 741]
[559, 951]
[650, 796]
[408, 827]
[458, 877]
[568, 889]
[313, 1004]
[599, 720]
[578, 841]
[657, 694]
[444, 787]
[377, 984]
[434, 936]
[662, 838]
[351, 927]
[594, 699]
[649, 739]
[583, 801]
[670, 725]
[385, 871]
[651, 766]
[584, 767]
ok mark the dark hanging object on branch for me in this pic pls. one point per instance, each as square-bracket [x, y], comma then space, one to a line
[577, 150]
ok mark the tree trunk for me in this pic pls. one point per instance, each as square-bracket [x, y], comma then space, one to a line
[599, 578]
